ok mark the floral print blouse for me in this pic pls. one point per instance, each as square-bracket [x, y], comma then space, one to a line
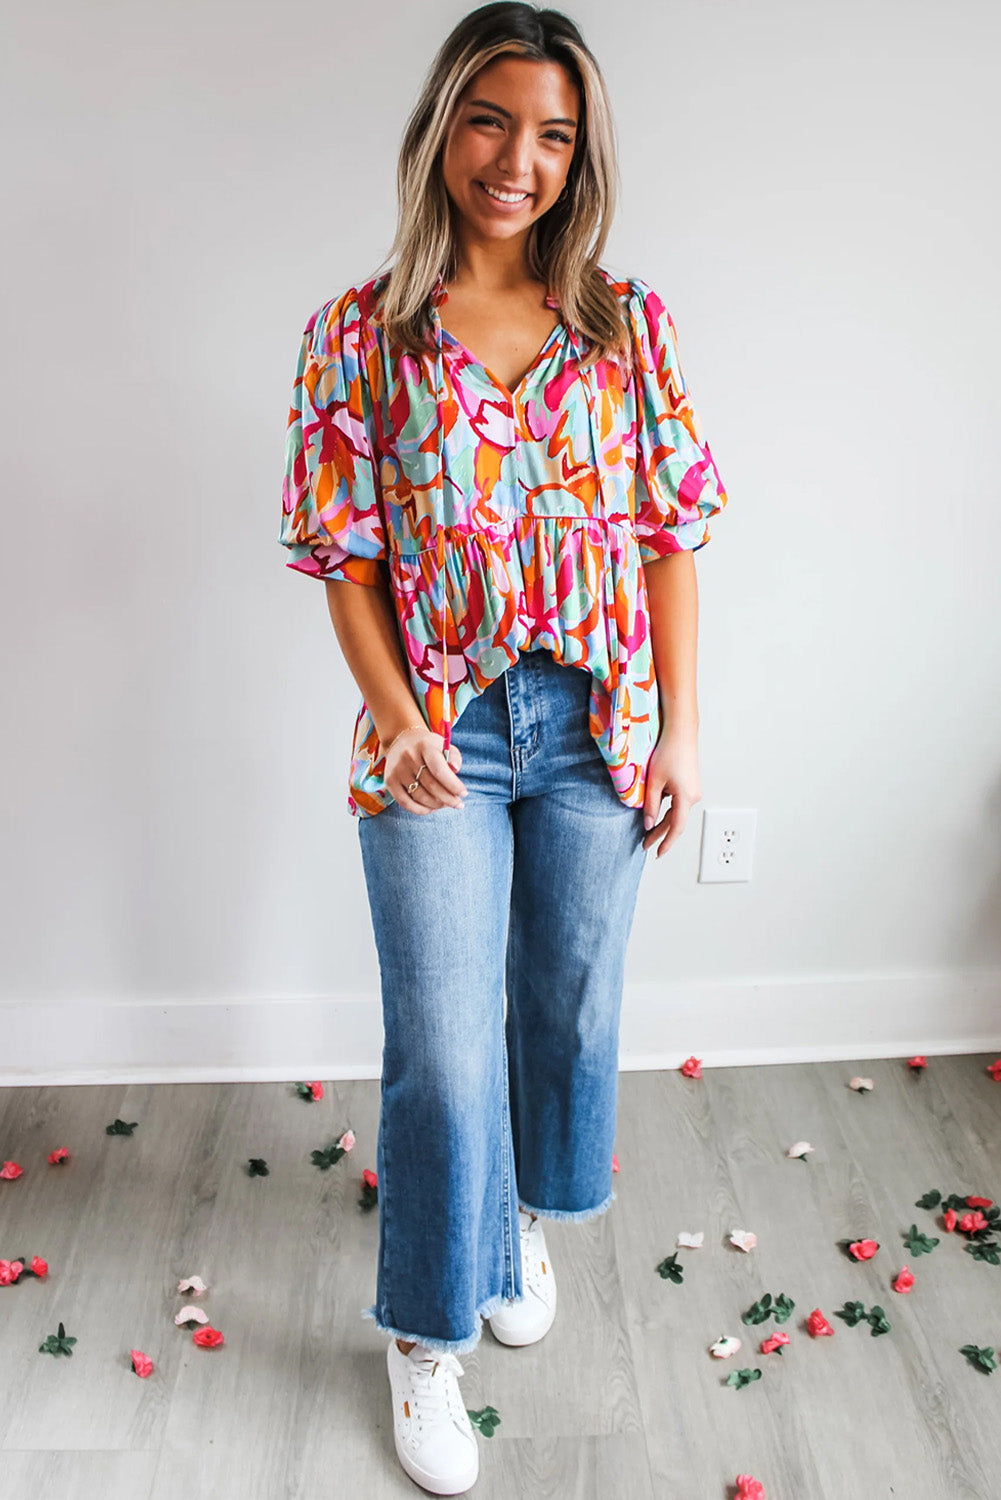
[506, 520]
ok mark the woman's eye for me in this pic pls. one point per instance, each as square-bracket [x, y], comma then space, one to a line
[492, 120]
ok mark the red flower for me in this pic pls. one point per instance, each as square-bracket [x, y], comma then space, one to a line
[369, 1177]
[980, 1202]
[916, 1062]
[950, 1219]
[692, 1067]
[39, 1266]
[971, 1222]
[208, 1337]
[749, 1489]
[904, 1281]
[141, 1363]
[863, 1249]
[10, 1270]
[773, 1342]
[10, 1170]
[817, 1325]
[316, 1089]
[60, 1154]
[615, 1162]
[995, 1070]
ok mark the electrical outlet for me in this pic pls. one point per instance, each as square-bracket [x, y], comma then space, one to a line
[727, 843]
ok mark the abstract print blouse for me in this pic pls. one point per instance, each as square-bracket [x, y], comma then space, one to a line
[507, 520]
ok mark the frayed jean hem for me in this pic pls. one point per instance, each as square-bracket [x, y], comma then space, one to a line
[443, 1346]
[573, 1217]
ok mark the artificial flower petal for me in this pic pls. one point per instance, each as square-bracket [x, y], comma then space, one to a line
[316, 1089]
[10, 1270]
[724, 1347]
[615, 1162]
[192, 1284]
[191, 1313]
[862, 1085]
[369, 1178]
[692, 1067]
[904, 1281]
[10, 1170]
[744, 1239]
[799, 1149]
[863, 1249]
[691, 1241]
[774, 1341]
[347, 1140]
[207, 1338]
[749, 1488]
[141, 1363]
[995, 1070]
[39, 1266]
[917, 1062]
[60, 1154]
[817, 1325]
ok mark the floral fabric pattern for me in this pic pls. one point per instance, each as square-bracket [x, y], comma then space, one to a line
[503, 521]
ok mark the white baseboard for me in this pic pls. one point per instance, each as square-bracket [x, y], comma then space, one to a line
[725, 1023]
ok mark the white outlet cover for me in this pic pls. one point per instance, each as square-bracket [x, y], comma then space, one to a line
[727, 843]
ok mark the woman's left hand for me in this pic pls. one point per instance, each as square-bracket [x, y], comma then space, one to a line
[673, 771]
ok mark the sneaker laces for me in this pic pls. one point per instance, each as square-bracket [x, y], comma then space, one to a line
[433, 1396]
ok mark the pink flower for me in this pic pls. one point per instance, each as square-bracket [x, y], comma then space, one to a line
[60, 1154]
[995, 1070]
[369, 1177]
[917, 1062]
[971, 1222]
[749, 1489]
[817, 1325]
[10, 1170]
[316, 1089]
[141, 1363]
[10, 1270]
[980, 1202]
[207, 1338]
[347, 1140]
[774, 1341]
[904, 1281]
[692, 1067]
[39, 1266]
[615, 1162]
[950, 1219]
[863, 1249]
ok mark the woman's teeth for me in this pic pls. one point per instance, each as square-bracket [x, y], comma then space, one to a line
[503, 197]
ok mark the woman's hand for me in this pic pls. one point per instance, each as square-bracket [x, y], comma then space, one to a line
[439, 786]
[673, 770]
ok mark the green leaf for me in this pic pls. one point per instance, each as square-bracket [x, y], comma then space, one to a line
[487, 1419]
[852, 1312]
[931, 1199]
[670, 1268]
[740, 1378]
[981, 1359]
[783, 1308]
[918, 1243]
[984, 1250]
[759, 1311]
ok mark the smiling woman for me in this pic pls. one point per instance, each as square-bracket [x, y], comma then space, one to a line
[496, 440]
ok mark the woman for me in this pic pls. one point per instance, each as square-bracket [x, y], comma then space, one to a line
[495, 440]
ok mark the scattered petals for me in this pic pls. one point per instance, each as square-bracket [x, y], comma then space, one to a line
[141, 1363]
[691, 1241]
[55, 1157]
[904, 1281]
[744, 1239]
[749, 1488]
[800, 1149]
[207, 1338]
[774, 1341]
[191, 1314]
[10, 1170]
[193, 1284]
[692, 1067]
[862, 1085]
[817, 1325]
[724, 1347]
[863, 1249]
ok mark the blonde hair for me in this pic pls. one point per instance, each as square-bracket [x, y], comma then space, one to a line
[565, 244]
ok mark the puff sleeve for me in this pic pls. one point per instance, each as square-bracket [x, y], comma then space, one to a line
[678, 487]
[331, 519]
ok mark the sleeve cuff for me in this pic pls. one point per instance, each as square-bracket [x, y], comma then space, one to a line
[324, 561]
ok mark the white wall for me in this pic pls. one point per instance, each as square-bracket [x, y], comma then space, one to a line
[812, 190]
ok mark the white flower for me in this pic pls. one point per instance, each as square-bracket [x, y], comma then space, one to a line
[192, 1284]
[347, 1140]
[691, 1241]
[724, 1347]
[862, 1084]
[800, 1149]
[189, 1312]
[744, 1239]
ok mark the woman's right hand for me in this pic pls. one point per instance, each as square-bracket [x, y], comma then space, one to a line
[439, 786]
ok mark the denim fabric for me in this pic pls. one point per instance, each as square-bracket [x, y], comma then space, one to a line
[527, 890]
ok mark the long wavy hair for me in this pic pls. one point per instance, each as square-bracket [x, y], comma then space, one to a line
[566, 243]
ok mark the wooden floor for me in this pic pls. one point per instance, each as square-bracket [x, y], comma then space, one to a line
[621, 1399]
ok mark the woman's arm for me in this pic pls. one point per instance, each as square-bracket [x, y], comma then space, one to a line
[365, 623]
[673, 768]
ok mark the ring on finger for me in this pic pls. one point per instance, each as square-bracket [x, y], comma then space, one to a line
[411, 789]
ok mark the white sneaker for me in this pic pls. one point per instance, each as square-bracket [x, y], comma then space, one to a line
[529, 1320]
[434, 1437]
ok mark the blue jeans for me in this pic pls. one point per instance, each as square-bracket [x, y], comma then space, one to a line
[528, 888]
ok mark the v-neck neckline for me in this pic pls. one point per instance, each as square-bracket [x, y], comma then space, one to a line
[473, 360]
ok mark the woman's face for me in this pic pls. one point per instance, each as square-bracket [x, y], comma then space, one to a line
[513, 130]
